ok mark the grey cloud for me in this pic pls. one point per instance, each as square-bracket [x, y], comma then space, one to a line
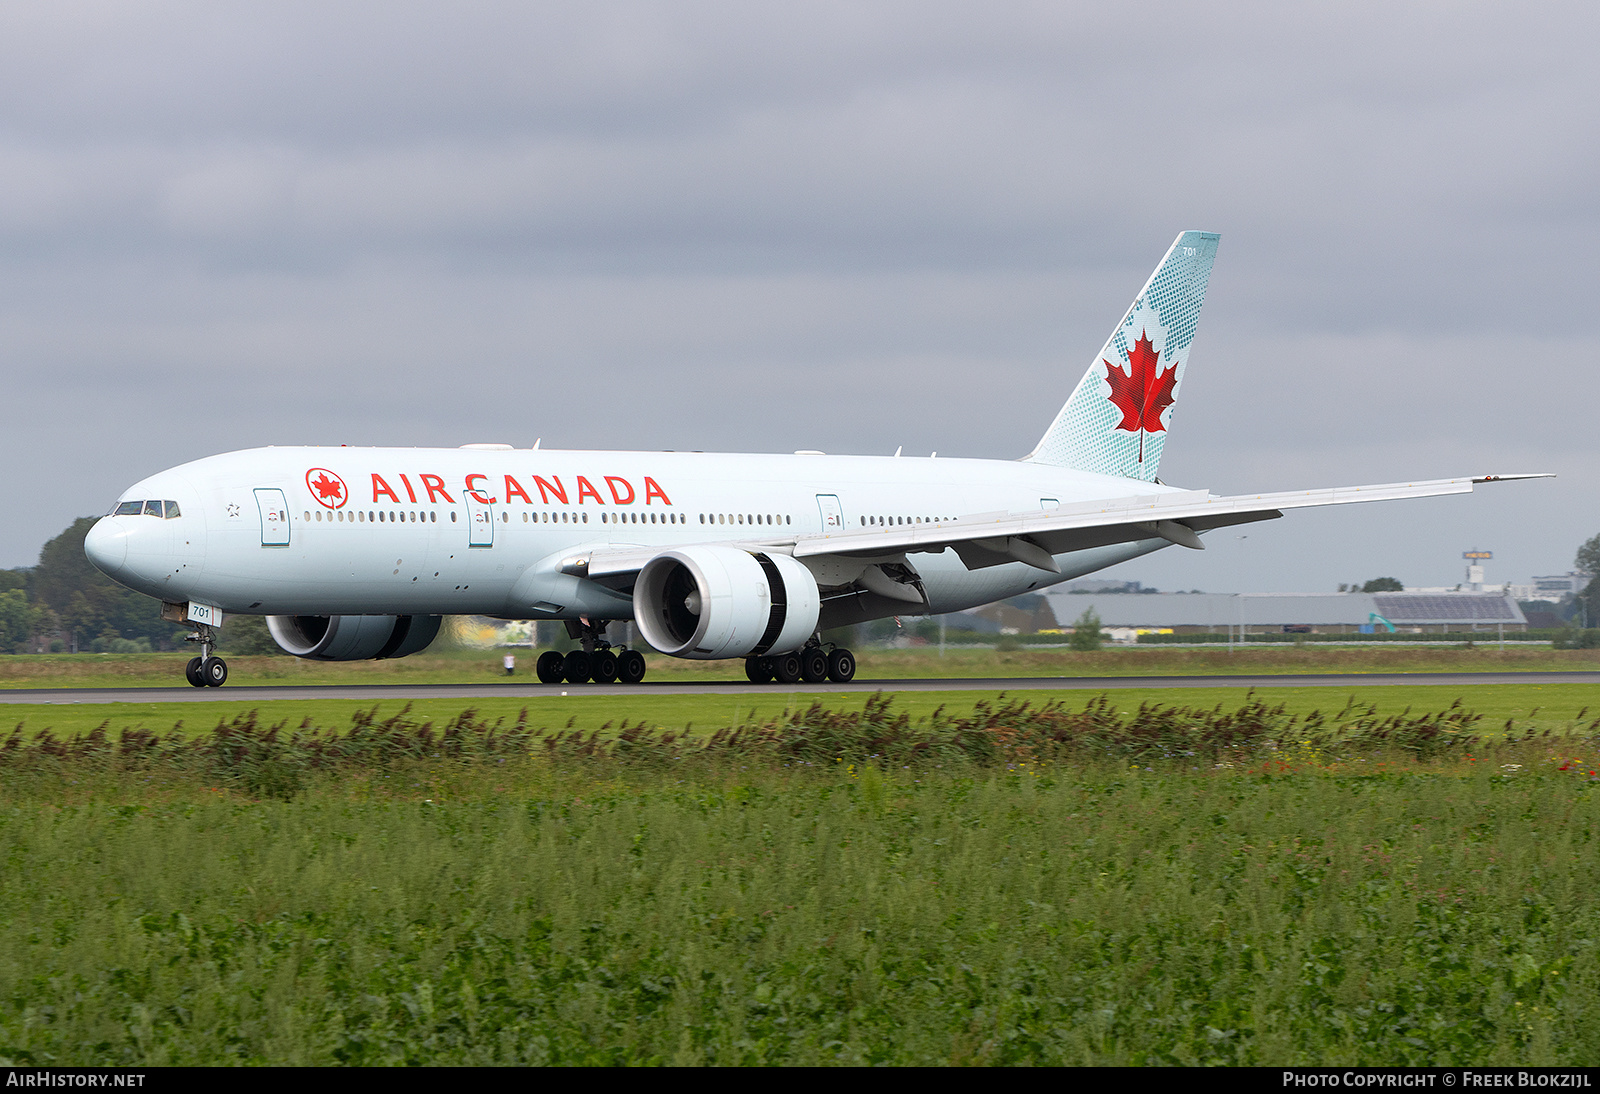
[649, 224]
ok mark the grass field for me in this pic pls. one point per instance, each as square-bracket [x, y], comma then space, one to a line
[1553, 706]
[1248, 890]
[480, 666]
[572, 913]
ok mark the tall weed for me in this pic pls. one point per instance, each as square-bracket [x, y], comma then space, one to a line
[276, 761]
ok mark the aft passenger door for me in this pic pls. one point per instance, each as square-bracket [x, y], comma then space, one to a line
[274, 509]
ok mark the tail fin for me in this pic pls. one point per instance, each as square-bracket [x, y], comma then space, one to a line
[1116, 421]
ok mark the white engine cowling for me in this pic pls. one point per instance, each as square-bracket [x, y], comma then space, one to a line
[353, 637]
[715, 601]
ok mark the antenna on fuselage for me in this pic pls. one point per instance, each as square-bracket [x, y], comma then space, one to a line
[537, 443]
[897, 450]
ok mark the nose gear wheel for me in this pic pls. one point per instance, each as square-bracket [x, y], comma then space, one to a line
[205, 671]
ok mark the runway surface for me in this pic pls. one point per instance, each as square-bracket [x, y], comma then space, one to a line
[533, 691]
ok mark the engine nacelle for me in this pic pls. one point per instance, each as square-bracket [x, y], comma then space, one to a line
[706, 602]
[353, 637]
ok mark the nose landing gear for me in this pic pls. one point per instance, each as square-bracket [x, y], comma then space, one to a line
[207, 670]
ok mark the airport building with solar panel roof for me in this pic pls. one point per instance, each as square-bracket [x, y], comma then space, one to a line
[1309, 613]
[1472, 607]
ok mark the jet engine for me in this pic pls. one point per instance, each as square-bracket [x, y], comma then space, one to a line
[353, 637]
[715, 601]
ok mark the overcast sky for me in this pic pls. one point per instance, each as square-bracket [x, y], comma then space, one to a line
[851, 227]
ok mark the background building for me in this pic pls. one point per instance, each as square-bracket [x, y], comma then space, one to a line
[1314, 613]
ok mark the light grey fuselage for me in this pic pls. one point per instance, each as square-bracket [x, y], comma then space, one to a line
[333, 531]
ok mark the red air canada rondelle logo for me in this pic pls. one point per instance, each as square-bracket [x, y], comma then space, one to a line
[327, 488]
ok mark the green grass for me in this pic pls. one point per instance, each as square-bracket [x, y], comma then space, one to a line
[1543, 706]
[1095, 883]
[447, 666]
[546, 915]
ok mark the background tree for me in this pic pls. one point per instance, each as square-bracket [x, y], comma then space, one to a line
[243, 634]
[1383, 585]
[1585, 606]
[16, 621]
[95, 609]
[1086, 631]
[1588, 559]
[1589, 604]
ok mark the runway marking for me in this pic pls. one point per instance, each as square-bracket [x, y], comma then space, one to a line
[531, 691]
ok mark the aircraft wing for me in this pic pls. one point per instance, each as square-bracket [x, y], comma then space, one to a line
[1032, 537]
[993, 539]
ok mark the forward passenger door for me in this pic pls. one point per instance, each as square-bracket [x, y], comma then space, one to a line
[274, 508]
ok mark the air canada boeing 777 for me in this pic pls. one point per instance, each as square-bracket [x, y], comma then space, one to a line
[357, 553]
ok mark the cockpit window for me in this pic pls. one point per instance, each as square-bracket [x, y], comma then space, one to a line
[172, 509]
[129, 509]
[152, 508]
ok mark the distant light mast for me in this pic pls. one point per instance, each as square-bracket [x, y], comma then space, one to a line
[1475, 561]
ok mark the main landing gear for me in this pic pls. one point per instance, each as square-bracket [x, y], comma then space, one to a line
[598, 660]
[813, 665]
[205, 671]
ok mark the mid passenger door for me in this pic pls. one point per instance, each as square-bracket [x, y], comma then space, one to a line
[832, 514]
[480, 522]
[274, 509]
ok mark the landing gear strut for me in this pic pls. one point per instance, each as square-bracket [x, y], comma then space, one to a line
[205, 671]
[598, 660]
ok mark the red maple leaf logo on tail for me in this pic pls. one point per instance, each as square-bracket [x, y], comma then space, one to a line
[1142, 392]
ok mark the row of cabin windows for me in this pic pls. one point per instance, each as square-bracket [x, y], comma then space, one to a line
[745, 518]
[870, 521]
[167, 509]
[605, 518]
[547, 517]
[375, 516]
[643, 518]
[378, 516]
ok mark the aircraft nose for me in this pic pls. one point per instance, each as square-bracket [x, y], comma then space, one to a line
[107, 546]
